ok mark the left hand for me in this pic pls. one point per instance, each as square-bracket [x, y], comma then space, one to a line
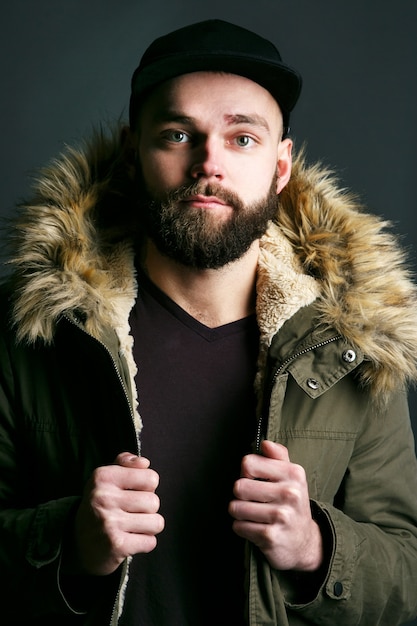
[272, 510]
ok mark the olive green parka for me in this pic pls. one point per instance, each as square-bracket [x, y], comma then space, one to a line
[338, 320]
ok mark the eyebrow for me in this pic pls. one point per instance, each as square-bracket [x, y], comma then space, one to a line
[251, 120]
[173, 116]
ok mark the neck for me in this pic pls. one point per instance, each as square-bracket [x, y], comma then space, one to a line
[213, 297]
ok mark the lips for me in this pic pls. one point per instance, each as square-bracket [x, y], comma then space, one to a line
[205, 202]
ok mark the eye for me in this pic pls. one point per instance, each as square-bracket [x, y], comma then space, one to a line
[176, 136]
[244, 141]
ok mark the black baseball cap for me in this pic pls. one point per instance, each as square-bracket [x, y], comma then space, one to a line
[216, 45]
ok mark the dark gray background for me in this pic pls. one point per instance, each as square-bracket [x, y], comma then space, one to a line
[65, 65]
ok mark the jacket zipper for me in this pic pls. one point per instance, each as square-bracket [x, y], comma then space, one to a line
[273, 379]
[120, 379]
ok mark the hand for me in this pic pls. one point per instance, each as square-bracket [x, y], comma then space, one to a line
[272, 510]
[118, 515]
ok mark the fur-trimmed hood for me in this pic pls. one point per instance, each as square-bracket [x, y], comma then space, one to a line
[72, 252]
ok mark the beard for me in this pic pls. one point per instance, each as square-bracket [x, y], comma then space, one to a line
[192, 236]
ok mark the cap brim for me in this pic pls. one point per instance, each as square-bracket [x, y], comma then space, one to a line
[280, 80]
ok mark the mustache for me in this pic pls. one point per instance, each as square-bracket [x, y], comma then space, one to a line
[185, 192]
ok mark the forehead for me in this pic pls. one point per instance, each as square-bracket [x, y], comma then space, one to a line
[211, 94]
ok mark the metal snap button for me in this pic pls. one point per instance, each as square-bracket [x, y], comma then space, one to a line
[349, 356]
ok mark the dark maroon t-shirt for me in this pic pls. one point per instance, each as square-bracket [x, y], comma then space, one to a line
[196, 399]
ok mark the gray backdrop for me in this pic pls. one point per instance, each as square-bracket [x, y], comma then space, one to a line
[66, 65]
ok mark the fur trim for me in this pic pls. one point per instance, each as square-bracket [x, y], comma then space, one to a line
[367, 293]
[73, 253]
[63, 261]
[282, 286]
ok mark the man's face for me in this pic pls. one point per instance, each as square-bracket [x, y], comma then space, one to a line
[209, 153]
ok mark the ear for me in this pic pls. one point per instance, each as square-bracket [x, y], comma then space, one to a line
[129, 152]
[284, 163]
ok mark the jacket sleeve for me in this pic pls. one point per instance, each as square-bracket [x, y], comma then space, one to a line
[31, 533]
[32, 528]
[372, 566]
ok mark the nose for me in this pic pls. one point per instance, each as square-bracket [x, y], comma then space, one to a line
[207, 160]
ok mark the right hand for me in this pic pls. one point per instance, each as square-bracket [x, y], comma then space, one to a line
[118, 515]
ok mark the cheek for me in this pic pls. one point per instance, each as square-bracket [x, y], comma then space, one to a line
[255, 181]
[161, 171]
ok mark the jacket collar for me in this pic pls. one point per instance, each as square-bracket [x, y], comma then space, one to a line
[72, 252]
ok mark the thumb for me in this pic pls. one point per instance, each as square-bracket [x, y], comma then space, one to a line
[274, 450]
[127, 459]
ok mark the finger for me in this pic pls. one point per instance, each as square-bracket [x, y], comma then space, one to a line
[127, 459]
[139, 479]
[260, 467]
[256, 512]
[137, 542]
[142, 524]
[274, 450]
[256, 490]
[108, 478]
[139, 501]
[248, 530]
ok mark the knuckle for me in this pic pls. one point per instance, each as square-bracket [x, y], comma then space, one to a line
[297, 472]
[280, 515]
[266, 537]
[291, 495]
[103, 475]
[99, 499]
[99, 475]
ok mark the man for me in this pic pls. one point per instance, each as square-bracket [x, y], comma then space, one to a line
[146, 478]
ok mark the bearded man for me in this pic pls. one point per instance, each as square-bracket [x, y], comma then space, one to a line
[205, 352]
